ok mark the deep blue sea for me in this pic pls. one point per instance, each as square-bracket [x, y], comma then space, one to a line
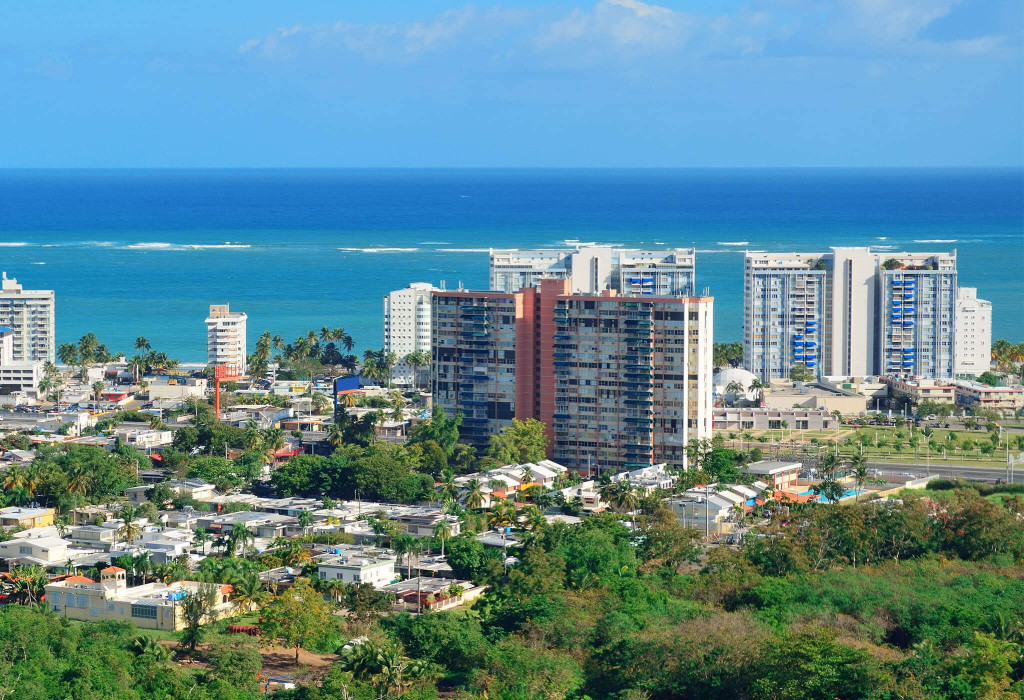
[144, 252]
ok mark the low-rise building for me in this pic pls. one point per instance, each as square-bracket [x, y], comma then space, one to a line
[737, 419]
[150, 606]
[648, 479]
[822, 395]
[14, 516]
[196, 488]
[1005, 400]
[145, 438]
[92, 536]
[420, 522]
[178, 389]
[350, 567]
[35, 550]
[915, 390]
[421, 593]
[778, 475]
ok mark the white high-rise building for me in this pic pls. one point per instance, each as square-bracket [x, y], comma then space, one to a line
[29, 313]
[407, 327]
[973, 336]
[225, 338]
[593, 269]
[850, 312]
[16, 377]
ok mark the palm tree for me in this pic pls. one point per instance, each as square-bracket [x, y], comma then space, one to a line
[442, 531]
[67, 353]
[248, 590]
[142, 344]
[130, 529]
[138, 364]
[252, 438]
[503, 514]
[473, 498]
[144, 645]
[273, 440]
[759, 386]
[335, 435]
[447, 490]
[240, 535]
[199, 539]
[403, 545]
[534, 519]
[46, 385]
[305, 520]
[142, 565]
[97, 389]
[527, 475]
[735, 388]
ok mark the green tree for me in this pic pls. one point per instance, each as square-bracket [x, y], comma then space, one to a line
[518, 443]
[296, 617]
[195, 608]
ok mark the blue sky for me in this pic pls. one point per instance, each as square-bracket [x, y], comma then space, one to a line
[430, 83]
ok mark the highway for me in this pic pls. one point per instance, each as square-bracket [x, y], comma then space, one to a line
[966, 471]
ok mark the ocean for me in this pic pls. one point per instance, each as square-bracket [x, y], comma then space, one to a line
[145, 252]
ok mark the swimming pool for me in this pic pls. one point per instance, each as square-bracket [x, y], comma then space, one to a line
[846, 494]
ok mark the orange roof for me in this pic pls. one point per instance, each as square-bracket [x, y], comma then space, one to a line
[796, 497]
[227, 588]
[78, 579]
[112, 570]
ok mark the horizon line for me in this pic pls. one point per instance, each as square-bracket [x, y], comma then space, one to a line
[510, 167]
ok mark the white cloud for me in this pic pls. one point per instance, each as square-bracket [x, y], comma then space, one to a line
[620, 24]
[612, 30]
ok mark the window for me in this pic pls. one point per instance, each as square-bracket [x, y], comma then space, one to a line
[146, 612]
[25, 550]
[55, 597]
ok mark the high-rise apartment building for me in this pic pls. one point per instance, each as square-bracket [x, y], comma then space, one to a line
[225, 338]
[407, 327]
[783, 312]
[849, 312]
[473, 359]
[972, 341]
[592, 269]
[29, 314]
[916, 314]
[619, 381]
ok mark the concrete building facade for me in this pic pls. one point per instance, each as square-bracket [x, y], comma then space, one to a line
[225, 338]
[1005, 400]
[618, 381]
[407, 327]
[150, 606]
[17, 377]
[30, 315]
[473, 359]
[972, 339]
[592, 269]
[850, 312]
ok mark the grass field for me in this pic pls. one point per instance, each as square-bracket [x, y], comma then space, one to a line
[880, 443]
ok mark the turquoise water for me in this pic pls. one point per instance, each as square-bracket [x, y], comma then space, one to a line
[846, 494]
[146, 252]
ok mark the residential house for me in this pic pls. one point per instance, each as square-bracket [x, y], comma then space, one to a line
[150, 606]
[14, 516]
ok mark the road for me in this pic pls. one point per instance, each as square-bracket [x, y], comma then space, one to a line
[967, 471]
